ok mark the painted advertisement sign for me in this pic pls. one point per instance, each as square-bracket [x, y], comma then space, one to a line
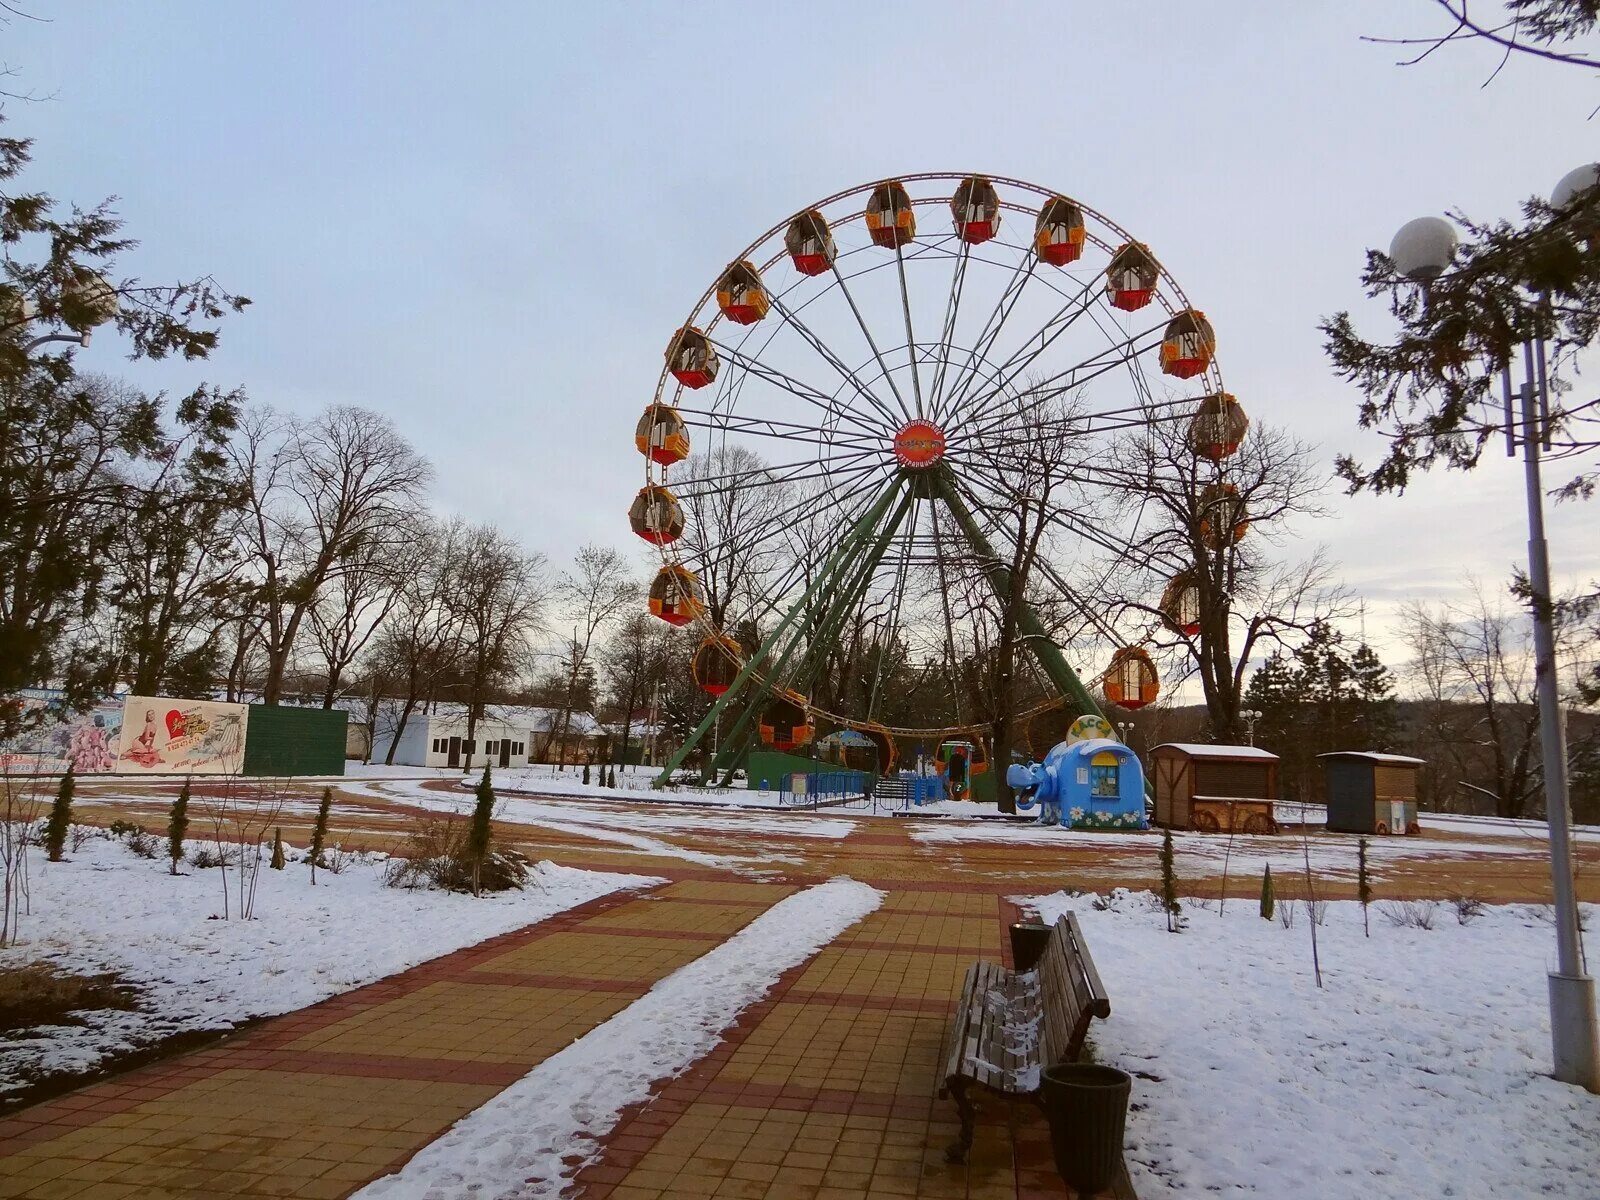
[162, 736]
[87, 743]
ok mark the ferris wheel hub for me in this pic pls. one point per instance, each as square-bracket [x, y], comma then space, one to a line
[918, 445]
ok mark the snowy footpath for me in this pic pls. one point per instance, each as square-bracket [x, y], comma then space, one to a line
[531, 1139]
[109, 910]
[1417, 1070]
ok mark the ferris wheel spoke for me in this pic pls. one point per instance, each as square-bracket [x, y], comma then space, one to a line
[769, 427]
[990, 330]
[833, 360]
[780, 475]
[897, 598]
[1073, 378]
[1024, 357]
[947, 333]
[871, 342]
[911, 338]
[802, 391]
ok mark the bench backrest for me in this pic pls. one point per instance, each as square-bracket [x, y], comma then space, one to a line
[1071, 992]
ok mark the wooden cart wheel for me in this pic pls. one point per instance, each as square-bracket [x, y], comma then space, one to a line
[1260, 823]
[1413, 827]
[1382, 827]
[1206, 822]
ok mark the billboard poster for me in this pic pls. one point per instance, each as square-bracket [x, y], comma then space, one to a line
[87, 742]
[162, 736]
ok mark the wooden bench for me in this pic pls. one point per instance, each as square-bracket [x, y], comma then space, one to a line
[1011, 1024]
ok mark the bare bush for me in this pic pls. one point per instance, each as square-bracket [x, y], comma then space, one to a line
[34, 994]
[1468, 909]
[1410, 914]
[1286, 909]
[145, 844]
[435, 855]
[79, 836]
[1318, 911]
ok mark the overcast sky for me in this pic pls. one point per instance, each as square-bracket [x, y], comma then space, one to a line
[484, 220]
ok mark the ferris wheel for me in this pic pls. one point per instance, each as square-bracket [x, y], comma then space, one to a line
[850, 420]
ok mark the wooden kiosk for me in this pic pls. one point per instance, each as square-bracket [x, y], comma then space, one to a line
[1215, 789]
[1370, 792]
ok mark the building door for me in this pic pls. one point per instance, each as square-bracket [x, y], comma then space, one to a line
[455, 752]
[505, 752]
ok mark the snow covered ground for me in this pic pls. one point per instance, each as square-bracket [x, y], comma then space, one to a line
[531, 1139]
[1417, 1070]
[109, 910]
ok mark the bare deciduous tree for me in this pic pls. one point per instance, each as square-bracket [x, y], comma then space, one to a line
[318, 493]
[594, 593]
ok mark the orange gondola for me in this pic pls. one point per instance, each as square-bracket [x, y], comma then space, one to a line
[740, 294]
[1180, 603]
[715, 664]
[809, 243]
[661, 435]
[890, 218]
[976, 208]
[1224, 516]
[1131, 680]
[888, 752]
[1131, 277]
[1217, 427]
[785, 722]
[691, 358]
[656, 516]
[676, 596]
[1189, 344]
[1059, 234]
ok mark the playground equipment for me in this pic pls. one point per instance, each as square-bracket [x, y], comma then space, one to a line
[1096, 783]
[873, 380]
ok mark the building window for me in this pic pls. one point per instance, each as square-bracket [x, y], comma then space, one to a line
[489, 748]
[1103, 782]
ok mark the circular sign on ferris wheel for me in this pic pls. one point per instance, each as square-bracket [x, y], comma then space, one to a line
[918, 445]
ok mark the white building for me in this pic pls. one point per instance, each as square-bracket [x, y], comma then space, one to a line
[505, 737]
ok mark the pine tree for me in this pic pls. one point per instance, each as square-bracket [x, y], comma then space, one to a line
[1268, 903]
[1169, 883]
[278, 860]
[1363, 885]
[177, 826]
[319, 831]
[478, 836]
[55, 829]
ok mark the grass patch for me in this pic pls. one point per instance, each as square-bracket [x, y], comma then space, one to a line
[40, 994]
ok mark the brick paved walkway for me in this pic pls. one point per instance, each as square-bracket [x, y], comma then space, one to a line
[318, 1102]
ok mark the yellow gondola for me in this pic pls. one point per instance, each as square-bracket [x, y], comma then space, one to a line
[676, 596]
[691, 358]
[1189, 344]
[976, 208]
[740, 294]
[656, 516]
[1058, 235]
[1131, 680]
[1131, 277]
[715, 664]
[1217, 427]
[890, 218]
[661, 435]
[785, 722]
[809, 243]
[1180, 603]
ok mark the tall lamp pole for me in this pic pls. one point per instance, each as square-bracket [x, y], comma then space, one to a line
[1422, 251]
[1250, 716]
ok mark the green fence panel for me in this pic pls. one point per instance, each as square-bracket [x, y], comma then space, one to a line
[772, 765]
[282, 740]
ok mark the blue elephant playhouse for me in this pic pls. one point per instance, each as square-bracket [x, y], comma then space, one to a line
[1096, 783]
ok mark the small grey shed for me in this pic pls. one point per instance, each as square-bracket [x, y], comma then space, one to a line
[1370, 792]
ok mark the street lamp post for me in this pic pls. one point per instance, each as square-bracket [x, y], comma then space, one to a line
[1422, 251]
[1250, 716]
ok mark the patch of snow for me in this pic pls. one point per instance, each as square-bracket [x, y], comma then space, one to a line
[1420, 1069]
[109, 910]
[533, 1137]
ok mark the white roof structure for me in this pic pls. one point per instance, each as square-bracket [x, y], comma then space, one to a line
[1398, 760]
[1196, 750]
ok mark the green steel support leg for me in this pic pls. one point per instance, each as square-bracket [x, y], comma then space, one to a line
[822, 630]
[1044, 649]
[856, 534]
